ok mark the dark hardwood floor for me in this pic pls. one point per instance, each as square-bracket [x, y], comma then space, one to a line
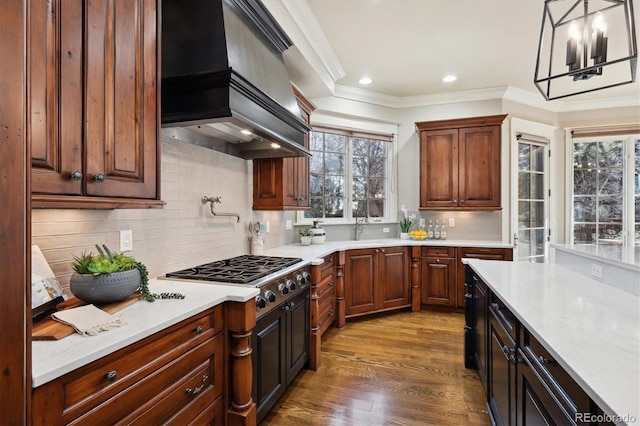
[398, 368]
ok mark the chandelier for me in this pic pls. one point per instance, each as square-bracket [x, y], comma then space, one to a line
[585, 45]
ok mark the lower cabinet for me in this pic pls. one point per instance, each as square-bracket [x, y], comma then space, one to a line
[323, 306]
[438, 280]
[376, 280]
[523, 384]
[173, 376]
[280, 349]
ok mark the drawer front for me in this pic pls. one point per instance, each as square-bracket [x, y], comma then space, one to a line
[438, 252]
[102, 379]
[504, 315]
[324, 287]
[327, 312]
[195, 415]
[195, 375]
[568, 392]
[486, 253]
[327, 268]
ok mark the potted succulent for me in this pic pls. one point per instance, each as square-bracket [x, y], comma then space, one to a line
[305, 236]
[110, 277]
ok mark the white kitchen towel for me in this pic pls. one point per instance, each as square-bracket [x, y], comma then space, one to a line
[88, 320]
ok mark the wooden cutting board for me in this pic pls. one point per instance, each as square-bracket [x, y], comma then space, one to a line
[50, 329]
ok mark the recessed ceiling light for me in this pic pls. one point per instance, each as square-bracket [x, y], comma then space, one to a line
[275, 145]
[449, 78]
[365, 80]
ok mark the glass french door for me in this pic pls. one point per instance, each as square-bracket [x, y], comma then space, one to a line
[533, 202]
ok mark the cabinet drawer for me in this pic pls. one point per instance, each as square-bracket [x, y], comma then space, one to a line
[503, 315]
[438, 252]
[327, 268]
[486, 253]
[565, 389]
[324, 287]
[101, 380]
[195, 375]
[327, 312]
[194, 414]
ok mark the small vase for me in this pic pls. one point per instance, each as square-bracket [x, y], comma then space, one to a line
[404, 235]
[305, 241]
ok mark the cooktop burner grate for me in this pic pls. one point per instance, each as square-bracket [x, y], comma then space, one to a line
[239, 270]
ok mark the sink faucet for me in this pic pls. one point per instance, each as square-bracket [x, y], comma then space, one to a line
[360, 222]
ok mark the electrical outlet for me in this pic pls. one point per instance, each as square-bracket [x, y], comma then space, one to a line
[422, 222]
[288, 224]
[126, 240]
[452, 222]
[385, 229]
[597, 271]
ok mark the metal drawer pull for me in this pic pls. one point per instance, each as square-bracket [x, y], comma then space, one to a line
[198, 329]
[198, 389]
[330, 284]
[495, 306]
[544, 360]
[111, 376]
[475, 278]
[330, 313]
[320, 293]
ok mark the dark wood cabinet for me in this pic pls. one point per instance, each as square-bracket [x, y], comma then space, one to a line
[323, 306]
[480, 326]
[460, 163]
[376, 280]
[438, 280]
[485, 253]
[283, 183]
[93, 112]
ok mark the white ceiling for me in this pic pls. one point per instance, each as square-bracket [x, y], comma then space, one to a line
[408, 46]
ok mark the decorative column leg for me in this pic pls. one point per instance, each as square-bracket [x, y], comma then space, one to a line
[416, 297]
[340, 303]
[241, 319]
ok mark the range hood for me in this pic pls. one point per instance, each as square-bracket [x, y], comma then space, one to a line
[224, 82]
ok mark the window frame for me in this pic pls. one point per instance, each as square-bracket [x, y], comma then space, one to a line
[628, 195]
[390, 210]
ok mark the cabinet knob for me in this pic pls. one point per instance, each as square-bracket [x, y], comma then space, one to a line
[98, 177]
[455, 201]
[330, 313]
[198, 329]
[462, 201]
[111, 376]
[75, 175]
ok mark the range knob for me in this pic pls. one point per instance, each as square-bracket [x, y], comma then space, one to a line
[270, 296]
[306, 276]
[300, 279]
[261, 302]
[291, 284]
[282, 288]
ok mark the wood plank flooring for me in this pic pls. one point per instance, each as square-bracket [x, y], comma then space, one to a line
[399, 368]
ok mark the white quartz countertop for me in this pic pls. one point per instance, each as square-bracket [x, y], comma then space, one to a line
[54, 358]
[320, 250]
[615, 254]
[590, 328]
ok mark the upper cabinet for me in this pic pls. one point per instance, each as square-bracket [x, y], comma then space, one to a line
[283, 183]
[93, 111]
[460, 163]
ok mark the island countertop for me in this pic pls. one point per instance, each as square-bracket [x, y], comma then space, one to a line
[54, 358]
[590, 328]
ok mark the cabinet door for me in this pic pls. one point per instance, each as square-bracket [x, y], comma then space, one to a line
[298, 335]
[54, 75]
[501, 373]
[438, 281]
[480, 306]
[121, 98]
[439, 168]
[479, 166]
[360, 281]
[393, 273]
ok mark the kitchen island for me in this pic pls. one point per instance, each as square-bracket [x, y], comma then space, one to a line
[591, 329]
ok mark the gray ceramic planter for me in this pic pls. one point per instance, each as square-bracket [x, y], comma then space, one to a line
[105, 288]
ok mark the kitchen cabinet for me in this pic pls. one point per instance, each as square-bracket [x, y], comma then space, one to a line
[438, 275]
[323, 304]
[375, 280]
[283, 183]
[93, 112]
[176, 375]
[460, 163]
[280, 349]
[523, 383]
[485, 253]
